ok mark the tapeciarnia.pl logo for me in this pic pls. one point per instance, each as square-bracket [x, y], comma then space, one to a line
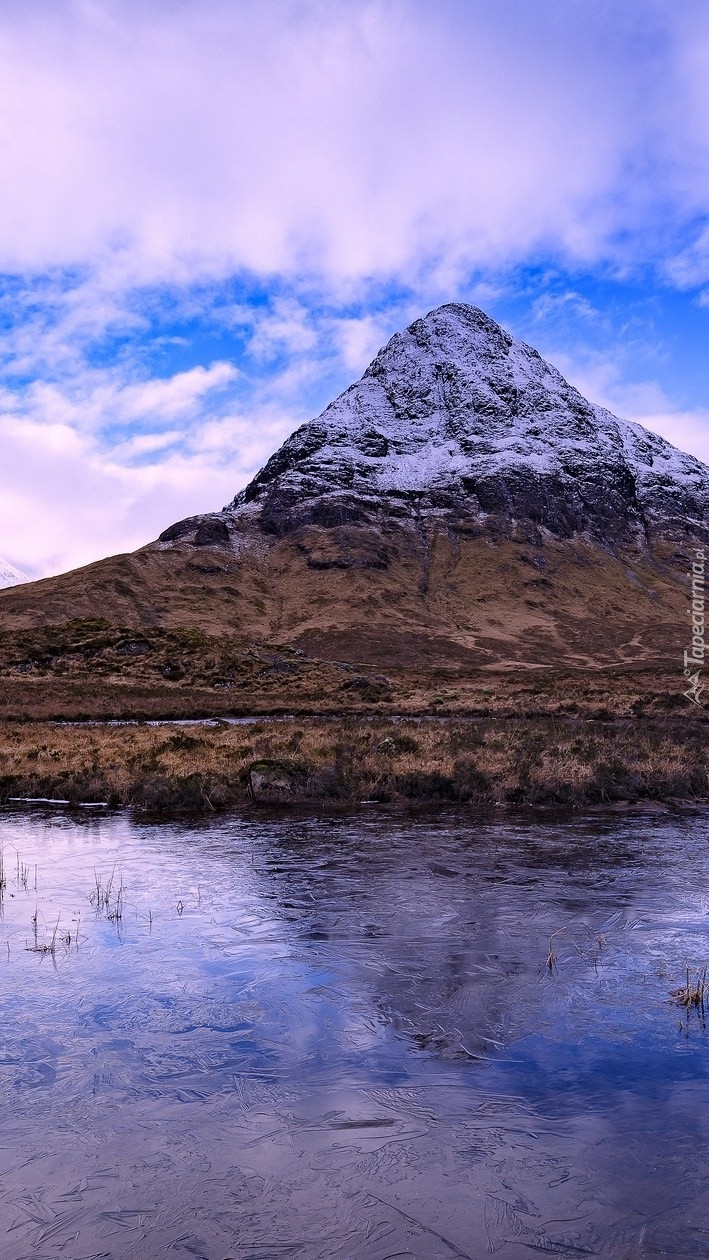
[694, 655]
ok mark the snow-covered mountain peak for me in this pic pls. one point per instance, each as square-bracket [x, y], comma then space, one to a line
[10, 576]
[455, 417]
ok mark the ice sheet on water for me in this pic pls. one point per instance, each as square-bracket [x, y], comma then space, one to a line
[348, 1042]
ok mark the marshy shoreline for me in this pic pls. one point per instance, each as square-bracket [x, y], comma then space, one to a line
[494, 762]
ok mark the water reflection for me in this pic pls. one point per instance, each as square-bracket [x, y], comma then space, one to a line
[342, 1037]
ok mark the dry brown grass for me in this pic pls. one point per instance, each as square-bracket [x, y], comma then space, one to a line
[484, 762]
[448, 598]
[91, 669]
[693, 992]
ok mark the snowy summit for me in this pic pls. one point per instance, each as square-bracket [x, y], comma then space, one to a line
[9, 576]
[456, 420]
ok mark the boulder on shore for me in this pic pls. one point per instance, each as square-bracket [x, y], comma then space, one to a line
[273, 782]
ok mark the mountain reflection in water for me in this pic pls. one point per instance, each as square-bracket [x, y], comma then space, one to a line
[341, 1036]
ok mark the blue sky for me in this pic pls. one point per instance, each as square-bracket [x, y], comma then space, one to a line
[214, 212]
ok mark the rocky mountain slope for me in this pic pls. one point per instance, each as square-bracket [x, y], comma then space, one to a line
[459, 510]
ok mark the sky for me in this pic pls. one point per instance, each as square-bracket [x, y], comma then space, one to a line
[214, 212]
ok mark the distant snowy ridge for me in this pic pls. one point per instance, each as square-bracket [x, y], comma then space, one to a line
[9, 576]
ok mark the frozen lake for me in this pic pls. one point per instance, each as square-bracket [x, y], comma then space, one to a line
[273, 1036]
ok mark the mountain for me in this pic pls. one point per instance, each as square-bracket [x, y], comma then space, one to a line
[460, 511]
[9, 576]
[457, 423]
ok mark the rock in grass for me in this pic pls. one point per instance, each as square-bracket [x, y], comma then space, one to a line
[273, 782]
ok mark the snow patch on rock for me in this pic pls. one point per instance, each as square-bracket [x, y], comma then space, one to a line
[10, 576]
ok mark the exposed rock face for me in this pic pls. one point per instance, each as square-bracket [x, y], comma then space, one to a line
[204, 531]
[9, 576]
[457, 422]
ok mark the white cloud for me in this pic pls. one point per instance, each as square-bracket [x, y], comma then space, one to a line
[72, 494]
[169, 398]
[359, 339]
[286, 327]
[68, 502]
[561, 305]
[343, 138]
[98, 399]
[690, 267]
[146, 444]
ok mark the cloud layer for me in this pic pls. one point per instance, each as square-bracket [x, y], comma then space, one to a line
[345, 137]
